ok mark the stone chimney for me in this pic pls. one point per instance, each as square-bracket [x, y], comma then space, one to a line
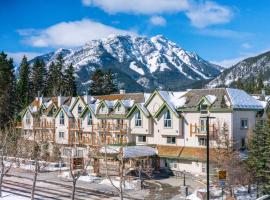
[122, 91]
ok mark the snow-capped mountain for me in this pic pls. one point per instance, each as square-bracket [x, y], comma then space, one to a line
[139, 63]
[248, 68]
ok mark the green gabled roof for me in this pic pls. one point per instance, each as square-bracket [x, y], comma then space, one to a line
[87, 107]
[22, 113]
[162, 107]
[203, 99]
[102, 103]
[75, 102]
[114, 116]
[134, 107]
[152, 96]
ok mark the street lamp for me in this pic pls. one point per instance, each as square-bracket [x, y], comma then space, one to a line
[207, 154]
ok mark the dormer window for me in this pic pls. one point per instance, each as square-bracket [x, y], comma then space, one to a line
[62, 118]
[89, 119]
[102, 108]
[79, 109]
[138, 119]
[118, 108]
[27, 118]
[167, 119]
[203, 108]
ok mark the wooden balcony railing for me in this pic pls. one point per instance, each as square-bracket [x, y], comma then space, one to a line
[44, 124]
[201, 130]
[111, 127]
[18, 125]
[75, 125]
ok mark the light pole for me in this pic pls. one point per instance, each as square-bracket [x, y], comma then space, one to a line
[207, 154]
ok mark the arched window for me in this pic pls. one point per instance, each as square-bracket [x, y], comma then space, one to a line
[138, 119]
[79, 109]
[89, 119]
[27, 118]
[62, 118]
[167, 119]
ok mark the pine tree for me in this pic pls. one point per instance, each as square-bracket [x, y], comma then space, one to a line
[97, 82]
[260, 84]
[69, 88]
[7, 90]
[23, 85]
[38, 77]
[259, 156]
[109, 85]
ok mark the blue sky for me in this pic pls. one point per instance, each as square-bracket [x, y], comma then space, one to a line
[222, 31]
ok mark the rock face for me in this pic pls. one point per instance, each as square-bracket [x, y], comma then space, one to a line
[244, 70]
[139, 63]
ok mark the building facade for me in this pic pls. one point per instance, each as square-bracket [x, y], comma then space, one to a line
[173, 123]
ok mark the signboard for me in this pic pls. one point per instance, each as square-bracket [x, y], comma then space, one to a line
[222, 174]
[77, 163]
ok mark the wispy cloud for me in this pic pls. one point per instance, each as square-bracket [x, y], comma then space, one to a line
[200, 13]
[208, 13]
[139, 6]
[158, 21]
[246, 45]
[17, 56]
[69, 34]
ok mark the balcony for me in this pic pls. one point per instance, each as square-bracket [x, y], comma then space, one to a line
[43, 124]
[111, 128]
[198, 130]
[75, 125]
[18, 125]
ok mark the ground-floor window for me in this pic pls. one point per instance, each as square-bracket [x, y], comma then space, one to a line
[67, 152]
[61, 134]
[142, 138]
[171, 140]
[203, 167]
[78, 153]
[202, 141]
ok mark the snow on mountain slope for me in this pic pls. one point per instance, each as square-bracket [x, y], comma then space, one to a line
[248, 68]
[140, 63]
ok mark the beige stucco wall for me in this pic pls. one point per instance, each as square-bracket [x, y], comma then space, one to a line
[61, 128]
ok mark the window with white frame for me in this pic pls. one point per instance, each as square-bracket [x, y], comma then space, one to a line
[167, 119]
[202, 141]
[203, 108]
[118, 108]
[79, 109]
[27, 118]
[62, 118]
[79, 153]
[244, 123]
[203, 167]
[138, 119]
[202, 125]
[61, 135]
[141, 138]
[171, 140]
[102, 109]
[89, 119]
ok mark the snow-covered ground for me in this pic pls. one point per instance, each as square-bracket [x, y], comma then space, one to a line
[128, 185]
[10, 196]
[87, 178]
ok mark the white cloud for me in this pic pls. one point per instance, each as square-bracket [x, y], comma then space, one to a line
[158, 21]
[17, 56]
[246, 45]
[138, 6]
[208, 13]
[229, 62]
[69, 34]
[223, 33]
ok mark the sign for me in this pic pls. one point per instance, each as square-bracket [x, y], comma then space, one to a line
[222, 174]
[77, 163]
[222, 183]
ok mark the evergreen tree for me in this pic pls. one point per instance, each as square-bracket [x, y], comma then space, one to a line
[23, 85]
[38, 77]
[97, 80]
[259, 157]
[102, 83]
[260, 84]
[7, 90]
[70, 88]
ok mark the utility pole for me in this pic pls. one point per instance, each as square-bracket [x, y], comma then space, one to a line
[207, 155]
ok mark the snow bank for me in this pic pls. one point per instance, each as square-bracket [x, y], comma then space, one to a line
[10, 196]
[128, 185]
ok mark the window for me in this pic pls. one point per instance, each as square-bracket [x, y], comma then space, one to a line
[67, 152]
[243, 143]
[202, 141]
[119, 108]
[203, 125]
[89, 119]
[167, 119]
[61, 135]
[142, 138]
[244, 124]
[79, 153]
[102, 108]
[62, 118]
[138, 119]
[27, 118]
[170, 140]
[79, 109]
[203, 108]
[119, 123]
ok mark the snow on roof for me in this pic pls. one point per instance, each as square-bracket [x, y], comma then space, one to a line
[110, 104]
[146, 96]
[240, 99]
[67, 111]
[144, 109]
[130, 151]
[211, 98]
[174, 99]
[128, 103]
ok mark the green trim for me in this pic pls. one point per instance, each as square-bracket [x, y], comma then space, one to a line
[133, 109]
[118, 101]
[162, 108]
[102, 103]
[59, 111]
[75, 102]
[225, 110]
[114, 116]
[152, 96]
[87, 107]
